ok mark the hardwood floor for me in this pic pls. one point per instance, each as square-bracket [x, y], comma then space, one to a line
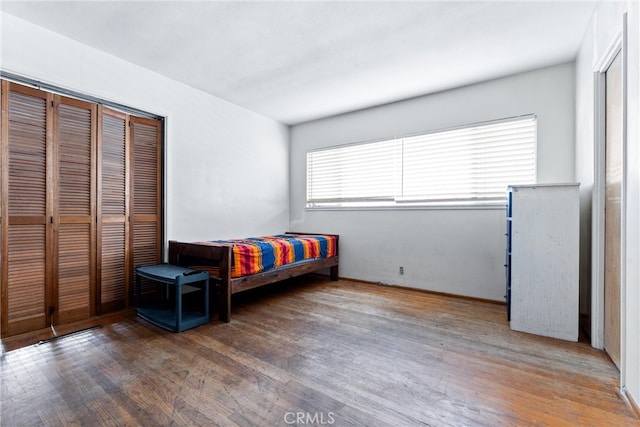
[311, 351]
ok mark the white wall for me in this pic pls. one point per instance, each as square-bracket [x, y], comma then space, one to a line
[454, 251]
[227, 167]
[605, 24]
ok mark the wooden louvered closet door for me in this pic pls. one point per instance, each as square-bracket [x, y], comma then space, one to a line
[75, 210]
[27, 208]
[113, 211]
[146, 136]
[80, 205]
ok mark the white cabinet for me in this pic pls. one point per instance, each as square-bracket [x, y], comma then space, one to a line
[542, 259]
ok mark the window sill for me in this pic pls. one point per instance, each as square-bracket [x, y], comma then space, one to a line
[451, 207]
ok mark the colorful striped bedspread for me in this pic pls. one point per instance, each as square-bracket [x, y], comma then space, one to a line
[257, 254]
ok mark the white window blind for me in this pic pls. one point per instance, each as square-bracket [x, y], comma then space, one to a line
[355, 173]
[466, 166]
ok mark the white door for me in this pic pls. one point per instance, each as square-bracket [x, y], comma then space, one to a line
[613, 188]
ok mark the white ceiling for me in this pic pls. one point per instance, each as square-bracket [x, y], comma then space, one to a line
[299, 61]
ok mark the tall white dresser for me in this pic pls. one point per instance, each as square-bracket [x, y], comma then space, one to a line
[542, 259]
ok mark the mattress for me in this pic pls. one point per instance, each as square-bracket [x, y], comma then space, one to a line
[258, 254]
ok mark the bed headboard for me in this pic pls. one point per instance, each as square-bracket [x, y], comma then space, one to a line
[185, 254]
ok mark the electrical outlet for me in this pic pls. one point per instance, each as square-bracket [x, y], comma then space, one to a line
[401, 270]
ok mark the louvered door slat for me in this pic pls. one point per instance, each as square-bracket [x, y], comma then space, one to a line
[75, 282]
[74, 159]
[26, 278]
[113, 165]
[145, 170]
[146, 190]
[27, 155]
[27, 117]
[113, 211]
[113, 291]
[145, 245]
[146, 195]
[74, 272]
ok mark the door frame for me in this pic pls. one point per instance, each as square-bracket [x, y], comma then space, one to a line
[618, 45]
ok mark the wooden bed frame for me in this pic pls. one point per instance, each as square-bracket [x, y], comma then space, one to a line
[219, 256]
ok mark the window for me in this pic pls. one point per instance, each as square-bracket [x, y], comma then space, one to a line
[471, 165]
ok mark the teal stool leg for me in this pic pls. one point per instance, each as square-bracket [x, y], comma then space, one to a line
[178, 287]
[206, 299]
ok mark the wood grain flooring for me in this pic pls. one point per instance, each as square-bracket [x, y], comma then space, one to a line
[315, 352]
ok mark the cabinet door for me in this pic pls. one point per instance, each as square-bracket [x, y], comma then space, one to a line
[26, 147]
[113, 211]
[75, 210]
[146, 195]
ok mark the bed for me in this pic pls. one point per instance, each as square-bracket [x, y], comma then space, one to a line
[237, 265]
